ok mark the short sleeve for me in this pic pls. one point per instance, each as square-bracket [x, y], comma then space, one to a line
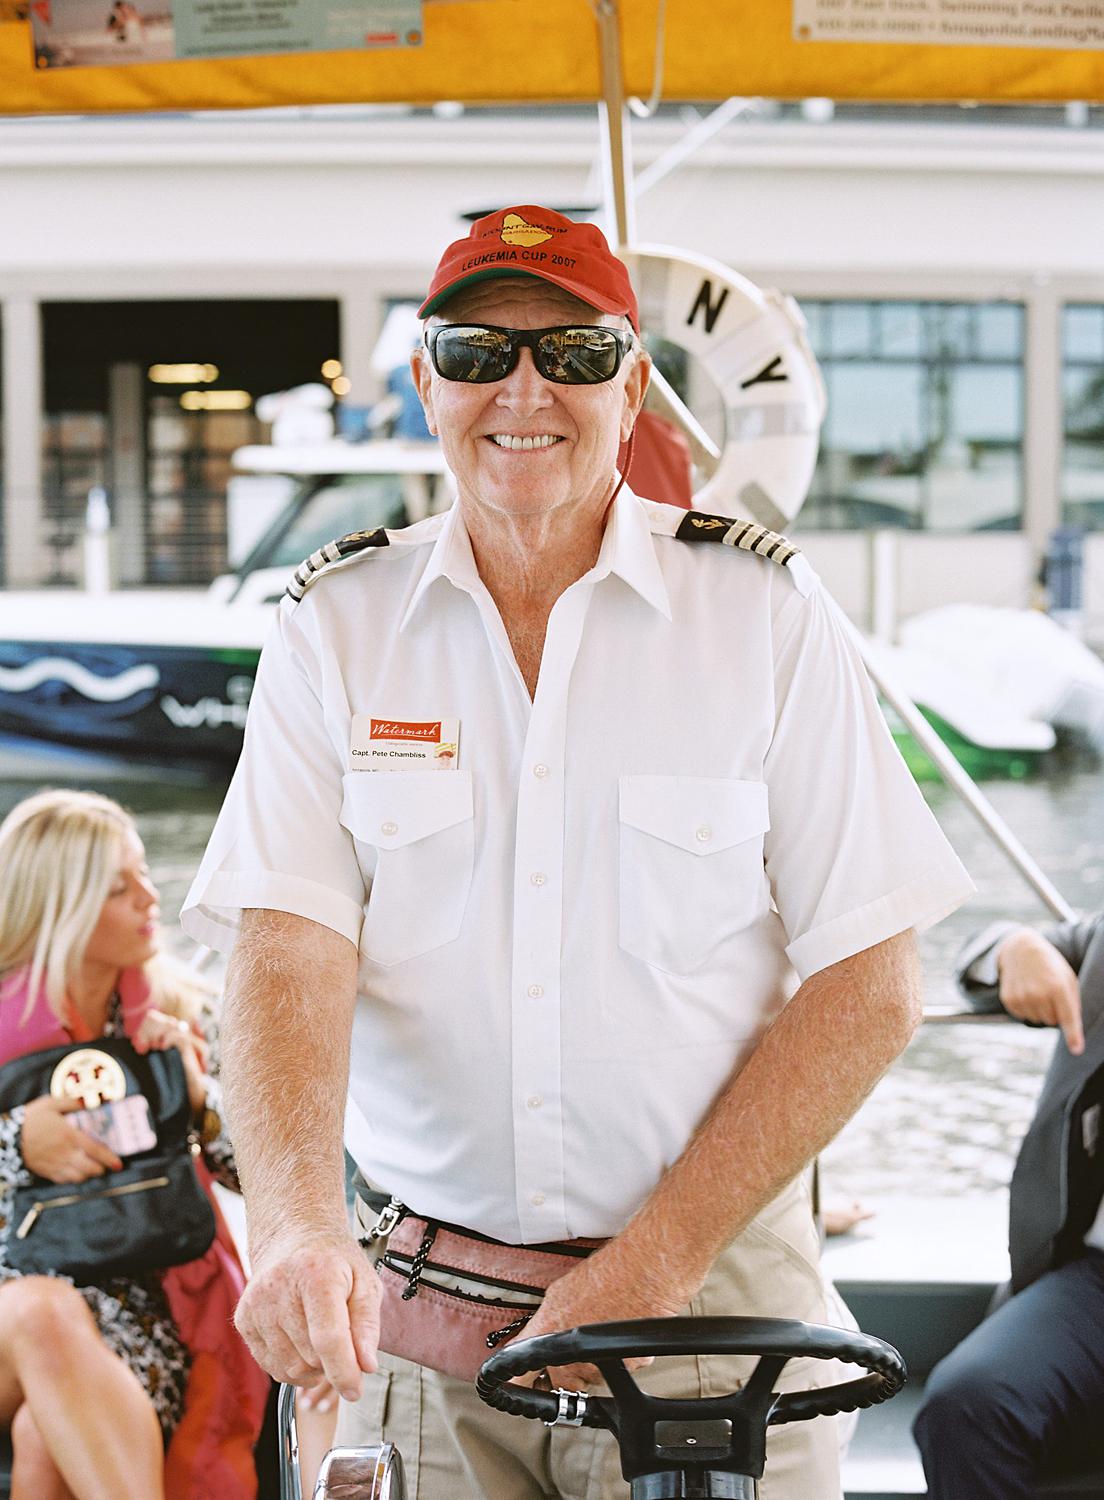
[853, 854]
[278, 842]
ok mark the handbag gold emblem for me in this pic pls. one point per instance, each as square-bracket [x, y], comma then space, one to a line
[89, 1075]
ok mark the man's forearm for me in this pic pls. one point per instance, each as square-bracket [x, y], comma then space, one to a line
[286, 1026]
[813, 1069]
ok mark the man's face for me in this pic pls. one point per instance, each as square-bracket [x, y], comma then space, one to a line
[586, 424]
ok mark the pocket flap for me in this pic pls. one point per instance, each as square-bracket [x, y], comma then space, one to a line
[390, 809]
[702, 815]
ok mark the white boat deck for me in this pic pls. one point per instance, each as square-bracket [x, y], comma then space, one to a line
[961, 1241]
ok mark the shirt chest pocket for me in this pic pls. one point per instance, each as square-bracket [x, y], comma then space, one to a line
[691, 866]
[415, 839]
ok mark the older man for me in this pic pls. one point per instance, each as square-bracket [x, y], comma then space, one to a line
[541, 807]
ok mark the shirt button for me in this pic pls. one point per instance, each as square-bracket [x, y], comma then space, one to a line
[536, 1199]
[389, 828]
[536, 991]
[703, 835]
[534, 1101]
[538, 877]
[540, 770]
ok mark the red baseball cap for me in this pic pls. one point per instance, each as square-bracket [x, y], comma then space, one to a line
[532, 241]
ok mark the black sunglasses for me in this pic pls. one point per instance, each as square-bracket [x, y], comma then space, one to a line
[481, 353]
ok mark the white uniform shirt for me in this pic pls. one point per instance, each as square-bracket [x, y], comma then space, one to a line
[568, 942]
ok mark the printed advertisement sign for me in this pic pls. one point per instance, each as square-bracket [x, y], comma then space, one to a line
[105, 33]
[1073, 25]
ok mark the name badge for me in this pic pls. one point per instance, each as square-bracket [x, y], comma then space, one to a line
[382, 744]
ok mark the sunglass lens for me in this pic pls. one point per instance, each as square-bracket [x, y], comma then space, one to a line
[477, 355]
[579, 356]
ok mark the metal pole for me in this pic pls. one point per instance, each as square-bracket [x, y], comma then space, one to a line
[621, 209]
[703, 449]
[291, 1483]
[967, 789]
[696, 137]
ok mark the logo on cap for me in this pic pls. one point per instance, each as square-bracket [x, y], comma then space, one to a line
[515, 231]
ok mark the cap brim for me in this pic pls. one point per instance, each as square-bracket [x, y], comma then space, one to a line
[498, 273]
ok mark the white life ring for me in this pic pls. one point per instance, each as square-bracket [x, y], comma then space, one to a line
[753, 345]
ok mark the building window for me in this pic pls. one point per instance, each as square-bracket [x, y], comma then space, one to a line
[74, 459]
[188, 471]
[924, 427]
[1083, 409]
[150, 400]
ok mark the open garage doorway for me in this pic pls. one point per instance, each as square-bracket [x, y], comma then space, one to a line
[149, 400]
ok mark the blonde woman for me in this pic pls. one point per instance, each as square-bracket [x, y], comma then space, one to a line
[96, 1380]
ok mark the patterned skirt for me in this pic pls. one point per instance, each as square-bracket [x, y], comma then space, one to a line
[133, 1316]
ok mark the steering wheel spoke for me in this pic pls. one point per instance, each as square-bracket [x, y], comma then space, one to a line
[764, 1377]
[629, 1401]
[625, 1389]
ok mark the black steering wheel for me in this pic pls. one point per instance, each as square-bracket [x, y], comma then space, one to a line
[662, 1439]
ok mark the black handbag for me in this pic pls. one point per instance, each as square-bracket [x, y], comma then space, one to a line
[152, 1214]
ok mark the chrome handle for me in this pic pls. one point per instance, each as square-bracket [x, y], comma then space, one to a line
[291, 1485]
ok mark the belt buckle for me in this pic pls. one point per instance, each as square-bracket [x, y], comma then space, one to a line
[389, 1216]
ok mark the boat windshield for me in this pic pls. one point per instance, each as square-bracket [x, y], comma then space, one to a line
[347, 502]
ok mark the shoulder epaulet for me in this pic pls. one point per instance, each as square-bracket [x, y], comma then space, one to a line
[696, 526]
[311, 570]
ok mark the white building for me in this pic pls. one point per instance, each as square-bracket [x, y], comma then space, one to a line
[951, 273]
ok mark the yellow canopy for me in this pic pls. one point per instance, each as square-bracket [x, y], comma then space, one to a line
[530, 51]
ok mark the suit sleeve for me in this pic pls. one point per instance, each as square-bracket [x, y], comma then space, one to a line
[1072, 939]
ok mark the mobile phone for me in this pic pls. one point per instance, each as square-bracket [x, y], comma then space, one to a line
[123, 1126]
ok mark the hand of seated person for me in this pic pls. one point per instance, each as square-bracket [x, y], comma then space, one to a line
[55, 1149]
[841, 1218]
[321, 1396]
[158, 1032]
[1037, 985]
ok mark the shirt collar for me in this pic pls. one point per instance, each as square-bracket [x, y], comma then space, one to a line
[627, 549]
[451, 558]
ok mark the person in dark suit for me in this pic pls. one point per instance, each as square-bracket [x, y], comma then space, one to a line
[1029, 1382]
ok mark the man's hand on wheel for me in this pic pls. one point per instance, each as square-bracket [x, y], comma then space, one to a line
[600, 1289]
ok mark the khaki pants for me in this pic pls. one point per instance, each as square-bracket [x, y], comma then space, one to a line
[454, 1447]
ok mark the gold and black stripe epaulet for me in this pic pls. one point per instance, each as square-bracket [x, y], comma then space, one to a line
[316, 564]
[696, 526]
